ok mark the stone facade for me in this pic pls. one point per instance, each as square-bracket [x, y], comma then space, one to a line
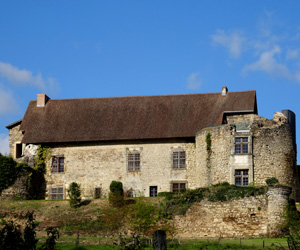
[96, 165]
[271, 152]
[259, 216]
[209, 159]
[15, 145]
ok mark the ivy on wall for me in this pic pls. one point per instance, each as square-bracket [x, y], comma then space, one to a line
[36, 182]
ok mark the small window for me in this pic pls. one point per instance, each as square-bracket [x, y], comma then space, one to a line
[58, 164]
[134, 162]
[242, 177]
[19, 150]
[56, 193]
[153, 191]
[177, 187]
[179, 160]
[98, 192]
[241, 145]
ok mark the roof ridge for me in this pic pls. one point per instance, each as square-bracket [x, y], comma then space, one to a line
[143, 96]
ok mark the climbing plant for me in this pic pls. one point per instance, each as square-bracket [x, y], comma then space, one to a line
[36, 183]
[208, 142]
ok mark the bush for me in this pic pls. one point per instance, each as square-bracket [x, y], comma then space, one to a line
[116, 195]
[116, 187]
[179, 203]
[272, 181]
[9, 172]
[74, 194]
[11, 236]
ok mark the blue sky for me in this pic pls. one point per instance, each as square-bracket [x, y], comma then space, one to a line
[78, 49]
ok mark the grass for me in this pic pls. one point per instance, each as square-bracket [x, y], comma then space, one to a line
[68, 243]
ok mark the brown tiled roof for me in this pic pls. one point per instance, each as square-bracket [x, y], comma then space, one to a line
[130, 118]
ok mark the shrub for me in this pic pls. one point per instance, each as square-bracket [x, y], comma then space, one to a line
[179, 203]
[9, 172]
[74, 194]
[116, 187]
[11, 236]
[272, 181]
[116, 195]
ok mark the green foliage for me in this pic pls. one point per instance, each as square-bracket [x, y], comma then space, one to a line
[36, 183]
[116, 187]
[52, 237]
[116, 195]
[142, 216]
[9, 171]
[208, 142]
[179, 203]
[74, 194]
[227, 192]
[11, 237]
[272, 181]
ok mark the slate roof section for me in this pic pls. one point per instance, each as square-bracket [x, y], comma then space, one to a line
[130, 118]
[10, 126]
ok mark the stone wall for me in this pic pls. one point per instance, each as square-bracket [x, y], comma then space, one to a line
[213, 164]
[270, 152]
[96, 165]
[17, 191]
[15, 136]
[259, 216]
[273, 153]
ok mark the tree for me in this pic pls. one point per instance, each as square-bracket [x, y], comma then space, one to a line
[142, 219]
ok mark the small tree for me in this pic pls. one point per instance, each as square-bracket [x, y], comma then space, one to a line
[74, 194]
[142, 219]
[116, 195]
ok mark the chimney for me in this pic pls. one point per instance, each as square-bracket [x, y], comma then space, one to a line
[42, 99]
[224, 90]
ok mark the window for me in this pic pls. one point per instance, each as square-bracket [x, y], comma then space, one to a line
[153, 191]
[19, 150]
[241, 145]
[241, 177]
[56, 193]
[134, 162]
[58, 164]
[98, 191]
[179, 160]
[177, 187]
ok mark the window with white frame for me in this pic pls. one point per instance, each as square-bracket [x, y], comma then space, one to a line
[56, 193]
[179, 160]
[134, 161]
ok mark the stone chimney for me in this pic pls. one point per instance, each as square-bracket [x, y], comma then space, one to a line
[224, 90]
[42, 99]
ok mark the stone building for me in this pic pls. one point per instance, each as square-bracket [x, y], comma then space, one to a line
[157, 143]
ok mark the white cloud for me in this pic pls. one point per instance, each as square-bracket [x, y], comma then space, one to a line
[268, 64]
[194, 82]
[8, 104]
[4, 144]
[292, 54]
[232, 41]
[25, 77]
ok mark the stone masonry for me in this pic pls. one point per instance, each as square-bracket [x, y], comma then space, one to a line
[259, 216]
